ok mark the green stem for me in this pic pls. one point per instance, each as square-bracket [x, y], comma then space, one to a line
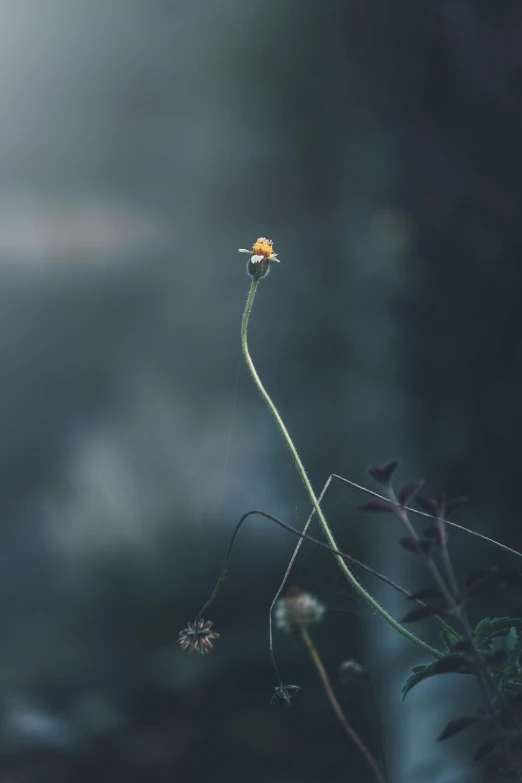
[302, 472]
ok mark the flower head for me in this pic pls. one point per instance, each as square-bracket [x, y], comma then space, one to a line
[349, 671]
[260, 256]
[198, 637]
[283, 695]
[298, 610]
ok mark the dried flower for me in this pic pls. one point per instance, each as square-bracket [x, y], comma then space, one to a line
[261, 254]
[298, 610]
[349, 671]
[197, 637]
[283, 695]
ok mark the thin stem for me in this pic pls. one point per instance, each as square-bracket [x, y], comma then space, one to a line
[337, 707]
[301, 470]
[314, 541]
[380, 724]
[484, 677]
[304, 537]
[419, 513]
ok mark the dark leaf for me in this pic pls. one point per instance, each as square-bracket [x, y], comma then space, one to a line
[383, 473]
[511, 639]
[409, 491]
[489, 627]
[457, 665]
[451, 664]
[419, 673]
[454, 726]
[449, 638]
[421, 613]
[419, 546]
[486, 748]
[428, 594]
[379, 506]
[515, 650]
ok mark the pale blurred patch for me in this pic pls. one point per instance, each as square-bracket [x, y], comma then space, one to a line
[73, 229]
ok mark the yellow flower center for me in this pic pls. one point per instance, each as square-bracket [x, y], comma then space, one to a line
[263, 247]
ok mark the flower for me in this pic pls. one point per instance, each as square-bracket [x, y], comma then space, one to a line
[197, 637]
[261, 254]
[297, 610]
[349, 671]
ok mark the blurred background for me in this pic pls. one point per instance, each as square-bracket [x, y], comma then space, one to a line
[142, 143]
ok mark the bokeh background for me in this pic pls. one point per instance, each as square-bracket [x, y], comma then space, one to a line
[142, 142]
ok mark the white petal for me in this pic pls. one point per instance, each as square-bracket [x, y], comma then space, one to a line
[242, 250]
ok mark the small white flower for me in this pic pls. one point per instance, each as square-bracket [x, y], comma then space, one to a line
[298, 610]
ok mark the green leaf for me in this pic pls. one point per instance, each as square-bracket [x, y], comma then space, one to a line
[482, 630]
[489, 627]
[419, 673]
[511, 639]
[454, 727]
[514, 653]
[449, 638]
[454, 664]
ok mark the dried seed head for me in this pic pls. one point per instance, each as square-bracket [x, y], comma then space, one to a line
[298, 610]
[349, 671]
[283, 695]
[197, 637]
[260, 256]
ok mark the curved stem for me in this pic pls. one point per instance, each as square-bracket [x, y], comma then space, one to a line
[337, 707]
[302, 472]
[304, 537]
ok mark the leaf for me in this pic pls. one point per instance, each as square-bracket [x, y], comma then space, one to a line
[482, 630]
[514, 653]
[511, 639]
[383, 473]
[489, 627]
[486, 748]
[409, 491]
[421, 613]
[417, 546]
[451, 664]
[449, 638]
[419, 673]
[380, 506]
[454, 727]
[427, 594]
[457, 665]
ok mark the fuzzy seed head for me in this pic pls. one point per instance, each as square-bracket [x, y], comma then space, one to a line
[198, 637]
[298, 610]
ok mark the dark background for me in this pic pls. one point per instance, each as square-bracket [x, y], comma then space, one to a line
[141, 144]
